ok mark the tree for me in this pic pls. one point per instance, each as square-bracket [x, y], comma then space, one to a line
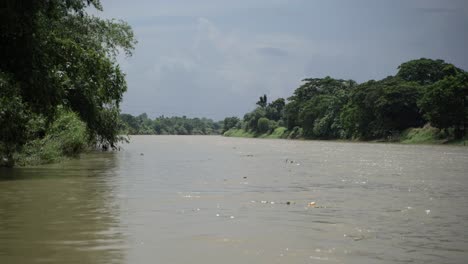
[262, 102]
[230, 122]
[274, 110]
[58, 55]
[14, 117]
[315, 112]
[251, 119]
[318, 102]
[444, 103]
[291, 114]
[263, 125]
[426, 71]
[380, 108]
[132, 123]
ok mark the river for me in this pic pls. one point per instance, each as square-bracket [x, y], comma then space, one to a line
[209, 199]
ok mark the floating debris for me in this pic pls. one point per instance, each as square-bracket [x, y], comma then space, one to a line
[312, 204]
[217, 215]
[273, 202]
[232, 217]
[141, 154]
[428, 211]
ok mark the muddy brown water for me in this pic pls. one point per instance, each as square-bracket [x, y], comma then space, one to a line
[203, 199]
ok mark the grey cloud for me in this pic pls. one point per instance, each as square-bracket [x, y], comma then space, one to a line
[437, 10]
[271, 51]
[214, 58]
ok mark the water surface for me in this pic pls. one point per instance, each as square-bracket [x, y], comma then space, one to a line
[202, 199]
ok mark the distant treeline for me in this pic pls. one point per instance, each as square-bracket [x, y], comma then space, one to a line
[424, 92]
[142, 125]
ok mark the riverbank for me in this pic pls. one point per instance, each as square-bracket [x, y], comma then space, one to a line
[65, 138]
[423, 135]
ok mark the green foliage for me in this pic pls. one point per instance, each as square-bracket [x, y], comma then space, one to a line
[279, 132]
[316, 106]
[274, 110]
[426, 71]
[291, 114]
[235, 132]
[378, 109]
[426, 134]
[444, 103]
[296, 132]
[390, 109]
[142, 125]
[67, 136]
[263, 125]
[262, 102]
[14, 117]
[56, 55]
[251, 119]
[230, 122]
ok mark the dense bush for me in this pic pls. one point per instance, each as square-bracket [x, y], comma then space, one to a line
[67, 136]
[263, 125]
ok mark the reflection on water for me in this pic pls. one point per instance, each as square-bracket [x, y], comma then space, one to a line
[61, 213]
[180, 199]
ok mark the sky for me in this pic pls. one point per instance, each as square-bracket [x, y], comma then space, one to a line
[215, 58]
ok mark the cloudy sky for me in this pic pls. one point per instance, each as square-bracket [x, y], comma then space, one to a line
[214, 58]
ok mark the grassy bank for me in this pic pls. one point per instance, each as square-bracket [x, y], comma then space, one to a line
[279, 132]
[424, 135]
[430, 135]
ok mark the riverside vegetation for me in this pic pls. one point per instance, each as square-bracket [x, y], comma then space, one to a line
[142, 125]
[60, 84]
[425, 102]
[61, 88]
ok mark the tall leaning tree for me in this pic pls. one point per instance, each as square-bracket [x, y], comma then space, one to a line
[54, 54]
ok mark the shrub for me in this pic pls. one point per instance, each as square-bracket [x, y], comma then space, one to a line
[297, 132]
[263, 125]
[67, 136]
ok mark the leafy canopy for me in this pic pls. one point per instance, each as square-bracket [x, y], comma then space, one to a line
[55, 54]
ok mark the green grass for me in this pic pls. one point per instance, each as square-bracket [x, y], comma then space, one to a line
[279, 132]
[234, 132]
[430, 135]
[423, 135]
